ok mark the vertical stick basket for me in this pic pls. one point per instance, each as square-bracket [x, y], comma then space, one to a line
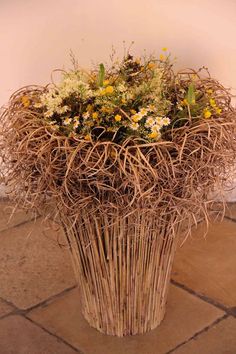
[123, 269]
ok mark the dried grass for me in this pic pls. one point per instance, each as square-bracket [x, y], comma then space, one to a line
[120, 205]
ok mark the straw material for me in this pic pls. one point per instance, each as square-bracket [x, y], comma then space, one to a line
[123, 267]
[121, 205]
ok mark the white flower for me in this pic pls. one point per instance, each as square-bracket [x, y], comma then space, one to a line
[134, 126]
[166, 121]
[49, 114]
[38, 105]
[54, 125]
[76, 122]
[156, 128]
[86, 115]
[149, 122]
[67, 121]
[121, 87]
[159, 120]
[143, 111]
[63, 109]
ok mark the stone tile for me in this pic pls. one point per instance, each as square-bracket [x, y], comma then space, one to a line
[33, 266]
[207, 265]
[219, 339]
[186, 315]
[9, 216]
[5, 308]
[20, 336]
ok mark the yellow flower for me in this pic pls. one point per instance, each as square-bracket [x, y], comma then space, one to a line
[89, 107]
[123, 100]
[25, 101]
[184, 102]
[106, 82]
[88, 137]
[102, 92]
[95, 115]
[151, 107]
[109, 89]
[164, 49]
[118, 117]
[207, 113]
[136, 117]
[218, 110]
[133, 111]
[154, 135]
[210, 91]
[151, 65]
[212, 102]
[162, 57]
[106, 109]
[103, 109]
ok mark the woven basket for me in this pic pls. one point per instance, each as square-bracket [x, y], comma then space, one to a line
[123, 267]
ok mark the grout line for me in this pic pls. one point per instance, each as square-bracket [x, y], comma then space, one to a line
[205, 329]
[24, 312]
[44, 303]
[205, 298]
[8, 303]
[229, 218]
[54, 335]
[21, 223]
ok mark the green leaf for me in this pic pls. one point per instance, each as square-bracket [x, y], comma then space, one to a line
[101, 74]
[191, 97]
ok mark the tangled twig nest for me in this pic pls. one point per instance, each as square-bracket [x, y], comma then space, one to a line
[173, 175]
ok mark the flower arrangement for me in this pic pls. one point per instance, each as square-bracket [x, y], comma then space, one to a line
[120, 156]
[134, 97]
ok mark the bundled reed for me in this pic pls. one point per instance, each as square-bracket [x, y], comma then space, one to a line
[121, 191]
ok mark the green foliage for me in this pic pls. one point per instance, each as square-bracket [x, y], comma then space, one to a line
[101, 75]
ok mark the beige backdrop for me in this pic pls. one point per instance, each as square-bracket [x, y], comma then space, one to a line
[37, 35]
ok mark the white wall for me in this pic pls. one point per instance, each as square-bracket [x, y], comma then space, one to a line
[36, 36]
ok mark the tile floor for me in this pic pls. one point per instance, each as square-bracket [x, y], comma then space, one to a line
[39, 302]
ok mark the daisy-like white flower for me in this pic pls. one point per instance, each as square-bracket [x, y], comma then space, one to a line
[159, 120]
[67, 121]
[49, 114]
[134, 126]
[86, 115]
[165, 121]
[76, 122]
[149, 122]
[54, 125]
[156, 128]
[143, 111]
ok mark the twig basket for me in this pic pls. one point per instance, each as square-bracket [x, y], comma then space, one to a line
[123, 268]
[123, 155]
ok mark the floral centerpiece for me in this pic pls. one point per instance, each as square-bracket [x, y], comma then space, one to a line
[121, 155]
